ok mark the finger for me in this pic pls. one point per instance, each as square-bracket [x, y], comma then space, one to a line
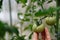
[45, 34]
[35, 36]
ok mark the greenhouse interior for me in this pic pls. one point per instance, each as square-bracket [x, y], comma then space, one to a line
[29, 19]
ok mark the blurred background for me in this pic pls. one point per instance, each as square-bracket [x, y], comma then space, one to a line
[17, 18]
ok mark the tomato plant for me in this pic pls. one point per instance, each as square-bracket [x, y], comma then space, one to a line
[40, 15]
[33, 13]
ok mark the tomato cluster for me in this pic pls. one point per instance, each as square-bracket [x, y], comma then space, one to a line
[49, 21]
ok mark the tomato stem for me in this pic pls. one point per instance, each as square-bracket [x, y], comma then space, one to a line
[57, 19]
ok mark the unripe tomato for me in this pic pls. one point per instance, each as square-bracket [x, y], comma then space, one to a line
[34, 27]
[40, 28]
[50, 20]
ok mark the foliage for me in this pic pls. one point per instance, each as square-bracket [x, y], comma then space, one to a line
[41, 13]
[22, 1]
[4, 27]
[1, 3]
[29, 27]
[18, 37]
[30, 12]
[46, 12]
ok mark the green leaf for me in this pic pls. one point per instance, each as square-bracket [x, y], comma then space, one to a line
[26, 19]
[1, 3]
[39, 3]
[45, 12]
[49, 1]
[30, 36]
[15, 30]
[18, 37]
[19, 15]
[39, 13]
[33, 0]
[28, 14]
[26, 28]
[29, 27]
[52, 30]
[43, 1]
[2, 29]
[28, 8]
[22, 1]
[12, 30]
[17, 1]
[58, 8]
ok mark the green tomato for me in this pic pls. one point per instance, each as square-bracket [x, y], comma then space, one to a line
[34, 27]
[40, 28]
[50, 20]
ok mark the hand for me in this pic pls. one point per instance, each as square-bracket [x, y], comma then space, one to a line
[35, 36]
[45, 34]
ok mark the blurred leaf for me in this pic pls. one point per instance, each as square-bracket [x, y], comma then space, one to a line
[27, 14]
[22, 1]
[1, 3]
[17, 1]
[2, 29]
[40, 13]
[18, 37]
[58, 8]
[33, 0]
[46, 11]
[49, 1]
[26, 19]
[23, 5]
[58, 35]
[9, 29]
[15, 30]
[12, 30]
[43, 1]
[52, 30]
[28, 8]
[22, 37]
[30, 36]
[19, 14]
[34, 6]
[29, 27]
[39, 2]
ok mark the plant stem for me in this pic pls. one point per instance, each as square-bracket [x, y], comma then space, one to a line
[57, 19]
[21, 28]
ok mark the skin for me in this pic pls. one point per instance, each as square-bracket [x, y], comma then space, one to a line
[35, 36]
[45, 35]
